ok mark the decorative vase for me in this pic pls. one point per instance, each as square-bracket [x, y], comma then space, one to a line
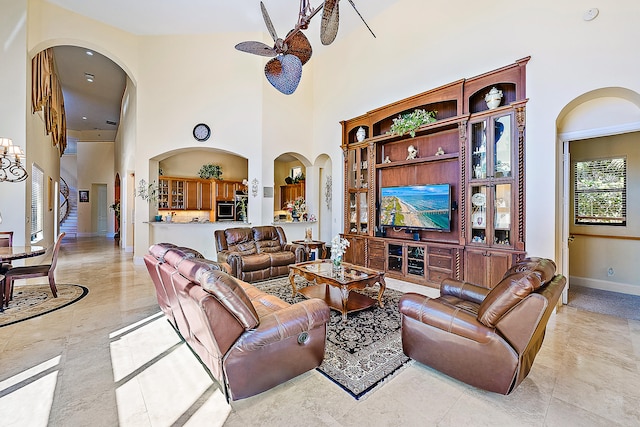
[158, 218]
[493, 98]
[361, 134]
[337, 264]
[307, 234]
[295, 216]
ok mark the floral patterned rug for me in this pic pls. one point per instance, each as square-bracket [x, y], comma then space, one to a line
[30, 301]
[361, 352]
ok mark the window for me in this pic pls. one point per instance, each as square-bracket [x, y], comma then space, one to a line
[600, 191]
[37, 203]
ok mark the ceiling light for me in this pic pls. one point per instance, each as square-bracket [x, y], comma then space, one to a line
[89, 53]
[89, 77]
[84, 117]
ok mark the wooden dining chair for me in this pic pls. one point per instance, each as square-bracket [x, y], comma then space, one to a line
[6, 241]
[30, 271]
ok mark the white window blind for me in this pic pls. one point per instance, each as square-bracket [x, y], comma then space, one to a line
[600, 191]
[37, 203]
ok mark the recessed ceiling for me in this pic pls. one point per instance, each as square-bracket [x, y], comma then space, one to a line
[89, 105]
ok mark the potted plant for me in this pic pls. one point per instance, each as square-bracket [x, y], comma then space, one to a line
[299, 177]
[116, 211]
[408, 123]
[209, 170]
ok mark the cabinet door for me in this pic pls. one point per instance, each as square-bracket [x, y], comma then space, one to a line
[355, 252]
[415, 260]
[191, 195]
[205, 196]
[177, 194]
[376, 255]
[163, 193]
[491, 202]
[486, 268]
[395, 258]
[358, 191]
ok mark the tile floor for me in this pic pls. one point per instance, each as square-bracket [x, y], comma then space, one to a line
[111, 360]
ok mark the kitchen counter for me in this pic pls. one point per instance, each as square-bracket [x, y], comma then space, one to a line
[195, 235]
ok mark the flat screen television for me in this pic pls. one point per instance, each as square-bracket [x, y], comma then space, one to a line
[416, 207]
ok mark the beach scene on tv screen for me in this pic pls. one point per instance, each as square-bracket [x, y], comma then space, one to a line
[419, 206]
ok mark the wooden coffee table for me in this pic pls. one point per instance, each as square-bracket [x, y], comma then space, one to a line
[335, 288]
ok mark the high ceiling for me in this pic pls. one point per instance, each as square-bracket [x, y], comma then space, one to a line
[100, 101]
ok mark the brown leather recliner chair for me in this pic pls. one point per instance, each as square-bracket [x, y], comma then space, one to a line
[248, 340]
[487, 338]
[257, 253]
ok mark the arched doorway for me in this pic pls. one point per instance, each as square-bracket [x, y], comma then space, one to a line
[116, 208]
[599, 121]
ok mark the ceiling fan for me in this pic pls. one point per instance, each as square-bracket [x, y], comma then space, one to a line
[284, 71]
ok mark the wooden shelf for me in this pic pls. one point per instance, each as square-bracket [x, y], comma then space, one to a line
[434, 127]
[448, 156]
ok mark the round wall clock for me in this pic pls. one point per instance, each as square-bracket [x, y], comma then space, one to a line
[201, 132]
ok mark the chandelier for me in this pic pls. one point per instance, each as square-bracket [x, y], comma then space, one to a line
[11, 169]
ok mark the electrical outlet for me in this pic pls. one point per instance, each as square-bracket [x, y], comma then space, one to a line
[610, 272]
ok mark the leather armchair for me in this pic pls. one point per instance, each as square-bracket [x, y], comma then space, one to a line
[257, 253]
[248, 340]
[487, 338]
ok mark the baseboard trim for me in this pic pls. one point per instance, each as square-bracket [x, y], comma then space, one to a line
[605, 285]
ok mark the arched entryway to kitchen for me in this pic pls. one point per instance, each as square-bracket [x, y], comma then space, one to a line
[181, 195]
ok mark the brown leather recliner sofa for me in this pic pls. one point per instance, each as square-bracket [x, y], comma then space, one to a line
[248, 340]
[487, 338]
[257, 253]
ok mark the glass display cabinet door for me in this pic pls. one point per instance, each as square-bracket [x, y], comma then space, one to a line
[479, 150]
[502, 147]
[163, 194]
[353, 213]
[363, 178]
[394, 258]
[353, 171]
[415, 260]
[363, 208]
[502, 215]
[479, 214]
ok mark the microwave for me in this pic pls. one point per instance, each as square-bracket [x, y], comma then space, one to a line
[225, 211]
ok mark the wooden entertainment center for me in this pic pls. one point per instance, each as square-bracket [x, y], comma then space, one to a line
[477, 150]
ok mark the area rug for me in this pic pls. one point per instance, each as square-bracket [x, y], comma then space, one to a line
[361, 352]
[604, 302]
[31, 301]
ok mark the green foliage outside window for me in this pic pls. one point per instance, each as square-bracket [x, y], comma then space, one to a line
[600, 192]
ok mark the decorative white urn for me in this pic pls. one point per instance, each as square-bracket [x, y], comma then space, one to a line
[493, 98]
[361, 134]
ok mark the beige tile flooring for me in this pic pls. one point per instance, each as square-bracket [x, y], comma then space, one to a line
[111, 359]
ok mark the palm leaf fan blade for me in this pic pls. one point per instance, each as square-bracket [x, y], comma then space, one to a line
[268, 23]
[299, 46]
[256, 48]
[284, 73]
[330, 22]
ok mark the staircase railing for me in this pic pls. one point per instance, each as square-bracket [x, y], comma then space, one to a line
[64, 194]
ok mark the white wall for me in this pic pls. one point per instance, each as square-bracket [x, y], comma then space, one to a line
[13, 83]
[418, 47]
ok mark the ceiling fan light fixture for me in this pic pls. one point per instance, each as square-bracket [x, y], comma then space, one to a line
[90, 77]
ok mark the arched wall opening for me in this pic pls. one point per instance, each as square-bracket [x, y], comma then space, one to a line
[598, 124]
